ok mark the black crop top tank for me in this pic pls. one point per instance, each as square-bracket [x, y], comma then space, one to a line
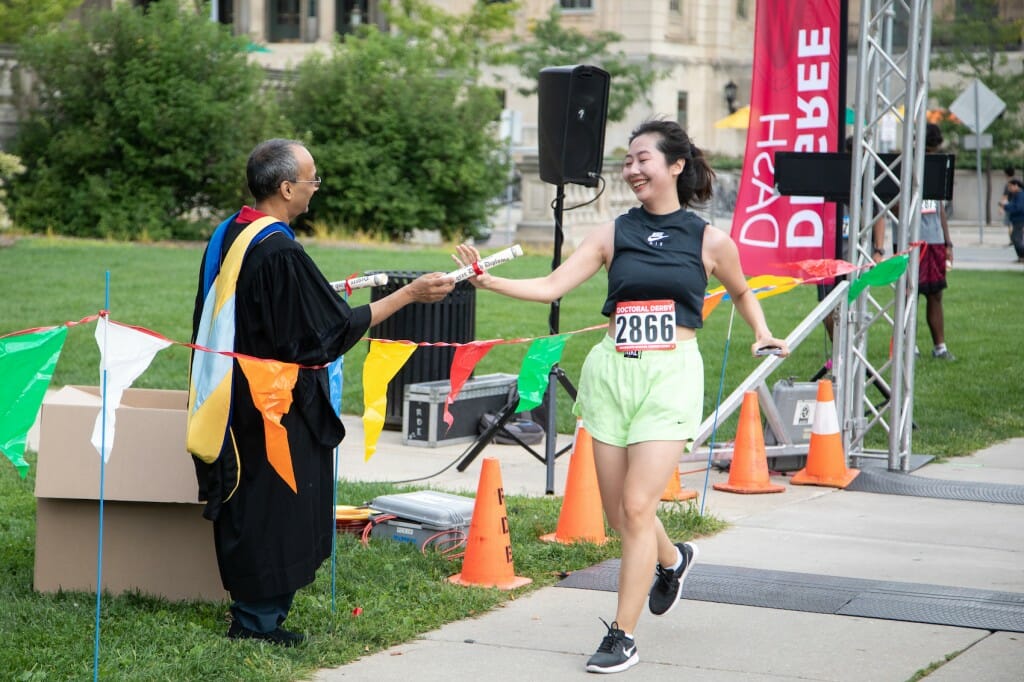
[659, 257]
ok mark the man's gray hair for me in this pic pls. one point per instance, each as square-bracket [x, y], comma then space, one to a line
[271, 163]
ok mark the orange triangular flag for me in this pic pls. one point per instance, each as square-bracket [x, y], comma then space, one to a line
[271, 384]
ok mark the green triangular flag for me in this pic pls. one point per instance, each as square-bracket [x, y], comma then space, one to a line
[886, 272]
[533, 375]
[27, 362]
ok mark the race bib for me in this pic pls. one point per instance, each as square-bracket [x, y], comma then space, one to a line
[645, 325]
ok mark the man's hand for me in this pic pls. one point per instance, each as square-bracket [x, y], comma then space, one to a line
[430, 288]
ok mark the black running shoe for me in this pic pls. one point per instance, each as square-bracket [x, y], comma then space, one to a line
[668, 583]
[277, 636]
[616, 652]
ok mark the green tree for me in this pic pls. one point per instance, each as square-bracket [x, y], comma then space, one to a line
[139, 122]
[554, 45]
[460, 41]
[404, 135]
[971, 42]
[19, 17]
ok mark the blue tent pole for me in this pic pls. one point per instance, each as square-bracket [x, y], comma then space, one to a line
[718, 404]
[103, 462]
[335, 381]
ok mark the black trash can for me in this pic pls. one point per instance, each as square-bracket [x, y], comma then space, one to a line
[451, 320]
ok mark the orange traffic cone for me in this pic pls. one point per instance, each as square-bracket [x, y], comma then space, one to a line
[826, 462]
[581, 518]
[488, 558]
[674, 490]
[748, 472]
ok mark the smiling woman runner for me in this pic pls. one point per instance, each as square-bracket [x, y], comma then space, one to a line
[642, 386]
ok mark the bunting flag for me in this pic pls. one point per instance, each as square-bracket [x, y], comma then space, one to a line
[536, 369]
[27, 362]
[711, 301]
[335, 381]
[824, 268]
[886, 272]
[465, 359]
[381, 365]
[763, 286]
[125, 353]
[270, 384]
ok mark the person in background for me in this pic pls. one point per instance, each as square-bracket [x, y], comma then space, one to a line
[642, 386]
[1014, 207]
[1009, 172]
[269, 539]
[936, 256]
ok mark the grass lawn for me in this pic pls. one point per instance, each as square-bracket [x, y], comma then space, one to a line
[959, 408]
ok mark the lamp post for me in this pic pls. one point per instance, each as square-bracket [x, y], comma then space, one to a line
[730, 96]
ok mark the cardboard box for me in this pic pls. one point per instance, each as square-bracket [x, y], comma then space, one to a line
[155, 540]
[423, 414]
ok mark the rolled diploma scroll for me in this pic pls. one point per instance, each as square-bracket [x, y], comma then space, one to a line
[377, 280]
[487, 263]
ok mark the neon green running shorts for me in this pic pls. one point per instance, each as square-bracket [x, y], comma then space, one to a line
[657, 396]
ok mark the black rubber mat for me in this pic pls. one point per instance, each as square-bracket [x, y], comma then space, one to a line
[889, 600]
[883, 481]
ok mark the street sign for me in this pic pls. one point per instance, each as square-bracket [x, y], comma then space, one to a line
[971, 141]
[977, 106]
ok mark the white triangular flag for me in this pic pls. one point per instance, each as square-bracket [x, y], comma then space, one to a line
[125, 353]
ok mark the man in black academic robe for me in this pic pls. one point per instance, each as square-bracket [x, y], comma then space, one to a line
[270, 540]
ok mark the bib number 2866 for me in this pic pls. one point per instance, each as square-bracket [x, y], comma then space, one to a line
[645, 325]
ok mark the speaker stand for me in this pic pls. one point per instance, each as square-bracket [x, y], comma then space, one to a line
[556, 377]
[497, 427]
[556, 374]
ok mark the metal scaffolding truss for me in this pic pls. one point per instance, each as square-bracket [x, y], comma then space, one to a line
[874, 350]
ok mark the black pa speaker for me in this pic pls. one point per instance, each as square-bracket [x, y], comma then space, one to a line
[572, 110]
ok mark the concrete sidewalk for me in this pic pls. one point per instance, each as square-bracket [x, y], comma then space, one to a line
[985, 248]
[549, 634]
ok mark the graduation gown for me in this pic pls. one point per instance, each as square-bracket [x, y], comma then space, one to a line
[269, 540]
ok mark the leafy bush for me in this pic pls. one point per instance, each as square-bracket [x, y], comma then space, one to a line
[139, 121]
[401, 143]
[18, 18]
[10, 166]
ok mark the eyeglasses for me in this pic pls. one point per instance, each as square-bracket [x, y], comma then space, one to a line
[316, 181]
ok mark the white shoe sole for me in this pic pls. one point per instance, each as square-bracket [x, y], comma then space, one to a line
[625, 665]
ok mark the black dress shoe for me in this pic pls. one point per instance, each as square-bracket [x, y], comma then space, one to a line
[277, 636]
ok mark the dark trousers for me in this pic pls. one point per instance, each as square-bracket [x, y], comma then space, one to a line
[264, 615]
[1017, 237]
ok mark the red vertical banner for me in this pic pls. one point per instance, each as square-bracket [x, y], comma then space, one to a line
[793, 101]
